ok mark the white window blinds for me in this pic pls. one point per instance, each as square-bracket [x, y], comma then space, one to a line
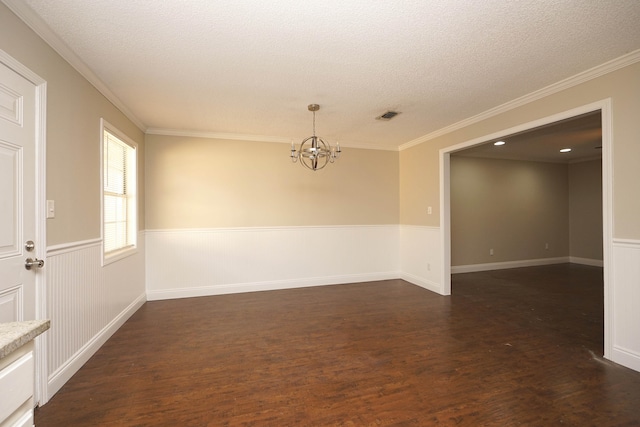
[119, 194]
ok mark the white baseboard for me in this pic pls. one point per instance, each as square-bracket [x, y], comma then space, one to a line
[586, 261]
[58, 378]
[508, 264]
[422, 282]
[185, 292]
[626, 357]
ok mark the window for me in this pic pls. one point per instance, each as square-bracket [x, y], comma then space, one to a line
[119, 201]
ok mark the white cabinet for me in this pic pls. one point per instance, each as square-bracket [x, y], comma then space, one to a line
[16, 387]
[17, 371]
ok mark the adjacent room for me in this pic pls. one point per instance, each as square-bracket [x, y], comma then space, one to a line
[295, 213]
[526, 225]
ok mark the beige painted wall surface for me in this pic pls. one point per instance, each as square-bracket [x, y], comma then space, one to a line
[585, 210]
[208, 183]
[74, 109]
[419, 165]
[512, 207]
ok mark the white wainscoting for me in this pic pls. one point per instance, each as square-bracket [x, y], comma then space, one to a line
[199, 262]
[86, 303]
[626, 303]
[420, 259]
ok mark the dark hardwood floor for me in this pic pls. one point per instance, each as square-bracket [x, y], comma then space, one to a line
[509, 347]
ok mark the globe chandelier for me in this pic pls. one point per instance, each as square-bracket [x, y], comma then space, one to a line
[314, 153]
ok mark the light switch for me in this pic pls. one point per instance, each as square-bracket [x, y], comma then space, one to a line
[51, 209]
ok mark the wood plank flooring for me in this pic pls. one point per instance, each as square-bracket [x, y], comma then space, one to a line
[511, 347]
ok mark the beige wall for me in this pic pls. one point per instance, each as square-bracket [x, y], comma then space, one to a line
[208, 183]
[74, 109]
[419, 165]
[515, 208]
[585, 209]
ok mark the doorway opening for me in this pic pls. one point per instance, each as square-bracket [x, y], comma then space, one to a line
[498, 254]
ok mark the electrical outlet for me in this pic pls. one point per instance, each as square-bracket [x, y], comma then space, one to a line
[428, 267]
[491, 251]
[429, 210]
[546, 246]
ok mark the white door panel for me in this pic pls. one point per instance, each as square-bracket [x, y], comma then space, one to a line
[17, 195]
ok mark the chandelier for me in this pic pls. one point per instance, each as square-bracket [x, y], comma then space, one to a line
[314, 153]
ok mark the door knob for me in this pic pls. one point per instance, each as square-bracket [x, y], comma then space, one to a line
[30, 263]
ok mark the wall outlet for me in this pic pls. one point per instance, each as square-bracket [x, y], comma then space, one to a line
[428, 267]
[491, 251]
[546, 246]
[429, 210]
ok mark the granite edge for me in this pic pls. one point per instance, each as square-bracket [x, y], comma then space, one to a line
[14, 335]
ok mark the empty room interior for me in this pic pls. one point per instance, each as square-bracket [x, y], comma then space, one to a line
[508, 200]
[363, 214]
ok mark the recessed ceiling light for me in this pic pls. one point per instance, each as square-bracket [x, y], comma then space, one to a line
[565, 150]
[499, 143]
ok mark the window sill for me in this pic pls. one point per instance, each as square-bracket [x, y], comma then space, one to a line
[117, 255]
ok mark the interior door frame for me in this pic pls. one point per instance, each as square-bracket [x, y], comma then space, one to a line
[41, 371]
[604, 106]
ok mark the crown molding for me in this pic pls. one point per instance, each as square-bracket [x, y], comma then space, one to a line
[368, 147]
[26, 14]
[600, 70]
[217, 135]
[254, 138]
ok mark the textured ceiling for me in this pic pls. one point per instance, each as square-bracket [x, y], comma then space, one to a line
[251, 67]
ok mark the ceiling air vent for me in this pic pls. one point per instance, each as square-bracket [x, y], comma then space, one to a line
[388, 115]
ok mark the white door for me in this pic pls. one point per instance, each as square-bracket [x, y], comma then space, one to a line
[17, 196]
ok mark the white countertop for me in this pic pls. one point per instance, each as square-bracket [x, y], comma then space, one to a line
[14, 335]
